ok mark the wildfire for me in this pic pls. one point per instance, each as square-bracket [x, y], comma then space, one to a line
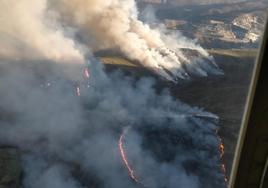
[78, 92]
[221, 151]
[124, 157]
[221, 148]
[86, 73]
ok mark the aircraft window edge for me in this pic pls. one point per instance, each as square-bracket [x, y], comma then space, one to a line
[248, 107]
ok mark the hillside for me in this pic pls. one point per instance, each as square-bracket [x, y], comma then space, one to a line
[191, 2]
[223, 95]
[231, 33]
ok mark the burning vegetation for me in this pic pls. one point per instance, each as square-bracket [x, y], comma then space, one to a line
[173, 144]
[124, 157]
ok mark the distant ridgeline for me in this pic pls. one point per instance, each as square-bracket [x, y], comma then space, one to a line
[190, 2]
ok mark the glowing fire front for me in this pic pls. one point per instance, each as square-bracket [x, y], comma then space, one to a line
[86, 76]
[124, 157]
[86, 73]
[221, 151]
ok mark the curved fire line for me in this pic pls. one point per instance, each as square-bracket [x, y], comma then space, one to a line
[124, 157]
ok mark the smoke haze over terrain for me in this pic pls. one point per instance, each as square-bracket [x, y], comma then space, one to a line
[69, 29]
[45, 44]
[58, 132]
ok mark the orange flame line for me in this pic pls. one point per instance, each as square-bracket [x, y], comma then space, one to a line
[221, 151]
[124, 158]
[86, 73]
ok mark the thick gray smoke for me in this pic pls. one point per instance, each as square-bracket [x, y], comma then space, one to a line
[72, 142]
[168, 144]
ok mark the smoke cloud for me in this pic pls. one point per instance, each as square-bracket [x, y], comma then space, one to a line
[168, 145]
[70, 141]
[33, 30]
[29, 31]
[115, 24]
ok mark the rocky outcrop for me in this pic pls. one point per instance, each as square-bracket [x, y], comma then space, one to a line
[10, 167]
[245, 28]
[253, 23]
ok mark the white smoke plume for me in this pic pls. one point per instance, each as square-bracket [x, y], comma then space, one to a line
[115, 24]
[29, 31]
[47, 28]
